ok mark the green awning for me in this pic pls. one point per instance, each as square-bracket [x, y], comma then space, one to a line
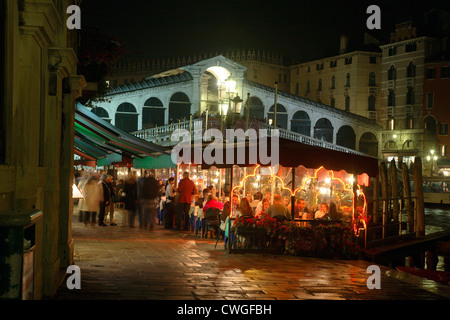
[107, 144]
[161, 162]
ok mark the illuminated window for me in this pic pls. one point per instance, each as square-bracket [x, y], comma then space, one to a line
[391, 124]
[443, 150]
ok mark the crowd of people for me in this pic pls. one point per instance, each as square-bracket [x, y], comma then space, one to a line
[101, 193]
[182, 207]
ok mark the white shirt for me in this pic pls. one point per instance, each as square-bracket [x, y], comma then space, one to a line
[169, 192]
[319, 214]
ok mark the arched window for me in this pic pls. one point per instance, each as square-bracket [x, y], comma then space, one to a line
[301, 123]
[308, 86]
[347, 83]
[256, 109]
[323, 130]
[319, 85]
[411, 69]
[430, 126]
[372, 79]
[179, 107]
[126, 117]
[347, 103]
[333, 82]
[392, 73]
[152, 113]
[368, 144]
[346, 137]
[332, 102]
[102, 113]
[282, 116]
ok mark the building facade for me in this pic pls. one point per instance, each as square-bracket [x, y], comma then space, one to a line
[38, 90]
[403, 74]
[436, 115]
[350, 81]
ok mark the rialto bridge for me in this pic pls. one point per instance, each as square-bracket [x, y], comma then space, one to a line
[155, 107]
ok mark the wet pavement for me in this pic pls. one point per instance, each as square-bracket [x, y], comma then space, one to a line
[123, 263]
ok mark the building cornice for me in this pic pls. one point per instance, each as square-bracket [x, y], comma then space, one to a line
[40, 19]
[407, 41]
[340, 56]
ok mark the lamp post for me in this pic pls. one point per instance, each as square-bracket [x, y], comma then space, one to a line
[237, 101]
[432, 157]
[248, 111]
[275, 106]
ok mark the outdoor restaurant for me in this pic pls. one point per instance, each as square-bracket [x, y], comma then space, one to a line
[332, 185]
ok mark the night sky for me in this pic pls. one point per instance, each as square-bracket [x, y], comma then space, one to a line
[298, 29]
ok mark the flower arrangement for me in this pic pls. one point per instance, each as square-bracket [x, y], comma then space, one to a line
[326, 241]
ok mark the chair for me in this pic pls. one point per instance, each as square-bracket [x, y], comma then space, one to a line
[212, 219]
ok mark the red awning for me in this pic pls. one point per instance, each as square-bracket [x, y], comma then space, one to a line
[291, 154]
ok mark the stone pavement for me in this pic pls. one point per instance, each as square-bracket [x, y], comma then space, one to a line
[118, 262]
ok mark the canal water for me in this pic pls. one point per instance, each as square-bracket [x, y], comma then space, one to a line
[437, 219]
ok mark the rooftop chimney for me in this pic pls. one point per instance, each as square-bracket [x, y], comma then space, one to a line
[343, 44]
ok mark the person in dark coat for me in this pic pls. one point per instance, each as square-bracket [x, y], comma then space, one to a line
[149, 198]
[106, 199]
[131, 198]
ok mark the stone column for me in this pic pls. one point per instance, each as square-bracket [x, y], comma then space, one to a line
[73, 89]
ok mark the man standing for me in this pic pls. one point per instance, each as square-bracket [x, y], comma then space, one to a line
[186, 188]
[150, 194]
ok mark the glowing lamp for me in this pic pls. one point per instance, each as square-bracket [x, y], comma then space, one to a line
[230, 85]
[224, 108]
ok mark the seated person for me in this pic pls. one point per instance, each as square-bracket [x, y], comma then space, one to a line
[265, 203]
[234, 204]
[256, 200]
[212, 203]
[267, 196]
[334, 213]
[244, 208]
[301, 211]
[322, 214]
[278, 209]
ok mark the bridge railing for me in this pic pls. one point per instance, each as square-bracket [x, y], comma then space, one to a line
[291, 135]
[157, 134]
